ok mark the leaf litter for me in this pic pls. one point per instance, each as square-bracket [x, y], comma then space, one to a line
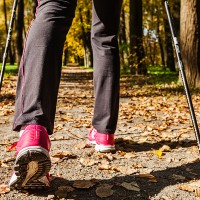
[150, 115]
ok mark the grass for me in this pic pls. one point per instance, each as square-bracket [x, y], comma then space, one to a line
[159, 75]
[156, 74]
[10, 69]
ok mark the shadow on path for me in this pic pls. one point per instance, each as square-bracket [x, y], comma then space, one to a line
[164, 178]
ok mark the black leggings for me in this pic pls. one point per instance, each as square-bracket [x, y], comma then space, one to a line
[40, 67]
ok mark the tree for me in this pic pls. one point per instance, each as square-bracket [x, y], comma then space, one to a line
[123, 43]
[11, 54]
[190, 40]
[136, 35]
[19, 30]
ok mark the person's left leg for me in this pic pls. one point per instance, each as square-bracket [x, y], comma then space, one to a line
[37, 90]
[40, 67]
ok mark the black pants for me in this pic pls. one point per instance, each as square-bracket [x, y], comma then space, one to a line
[40, 67]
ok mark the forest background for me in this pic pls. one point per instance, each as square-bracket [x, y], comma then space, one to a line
[144, 36]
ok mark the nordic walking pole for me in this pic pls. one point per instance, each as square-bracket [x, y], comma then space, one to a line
[183, 76]
[8, 41]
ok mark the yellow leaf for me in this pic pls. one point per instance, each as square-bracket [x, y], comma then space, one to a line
[158, 153]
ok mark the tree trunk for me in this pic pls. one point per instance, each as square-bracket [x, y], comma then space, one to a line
[19, 30]
[169, 48]
[11, 54]
[190, 40]
[123, 41]
[88, 58]
[160, 44]
[136, 36]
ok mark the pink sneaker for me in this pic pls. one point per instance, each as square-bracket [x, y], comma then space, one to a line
[104, 142]
[32, 163]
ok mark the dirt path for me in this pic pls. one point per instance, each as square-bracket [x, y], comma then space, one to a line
[156, 149]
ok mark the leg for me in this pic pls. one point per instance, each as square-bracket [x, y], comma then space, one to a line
[40, 68]
[37, 90]
[105, 24]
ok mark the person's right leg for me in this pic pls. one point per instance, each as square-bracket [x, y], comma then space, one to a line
[37, 90]
[105, 25]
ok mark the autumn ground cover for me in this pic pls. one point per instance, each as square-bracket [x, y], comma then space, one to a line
[156, 156]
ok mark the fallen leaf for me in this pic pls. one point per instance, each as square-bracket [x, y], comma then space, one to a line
[131, 186]
[66, 188]
[50, 197]
[82, 145]
[57, 138]
[87, 162]
[121, 153]
[129, 155]
[104, 190]
[54, 160]
[165, 148]
[178, 177]
[9, 159]
[61, 194]
[108, 156]
[83, 184]
[137, 166]
[158, 153]
[146, 176]
[4, 189]
[105, 165]
[4, 165]
[126, 170]
[63, 154]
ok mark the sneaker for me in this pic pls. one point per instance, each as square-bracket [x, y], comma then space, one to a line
[32, 162]
[103, 142]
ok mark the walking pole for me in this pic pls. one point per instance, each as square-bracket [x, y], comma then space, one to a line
[183, 76]
[8, 41]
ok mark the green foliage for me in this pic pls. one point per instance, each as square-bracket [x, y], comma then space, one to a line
[159, 75]
[75, 48]
[10, 69]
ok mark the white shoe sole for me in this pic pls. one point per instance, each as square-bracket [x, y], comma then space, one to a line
[104, 149]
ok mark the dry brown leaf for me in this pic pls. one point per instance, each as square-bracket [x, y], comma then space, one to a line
[4, 189]
[142, 140]
[178, 177]
[63, 190]
[137, 166]
[87, 162]
[108, 156]
[104, 190]
[67, 188]
[54, 160]
[9, 159]
[126, 170]
[63, 154]
[121, 153]
[57, 138]
[83, 184]
[149, 176]
[4, 165]
[105, 165]
[165, 148]
[61, 194]
[129, 155]
[82, 145]
[131, 186]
